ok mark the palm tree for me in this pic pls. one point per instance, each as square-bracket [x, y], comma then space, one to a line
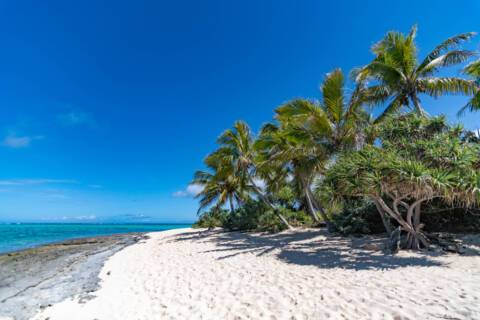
[220, 184]
[286, 152]
[310, 133]
[236, 148]
[473, 70]
[400, 77]
[337, 121]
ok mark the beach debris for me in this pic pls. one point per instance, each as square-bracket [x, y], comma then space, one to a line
[446, 242]
[372, 247]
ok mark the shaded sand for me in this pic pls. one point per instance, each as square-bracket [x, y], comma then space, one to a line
[190, 274]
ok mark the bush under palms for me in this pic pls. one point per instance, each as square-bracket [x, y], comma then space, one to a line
[419, 159]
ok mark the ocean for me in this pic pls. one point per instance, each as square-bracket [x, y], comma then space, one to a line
[15, 237]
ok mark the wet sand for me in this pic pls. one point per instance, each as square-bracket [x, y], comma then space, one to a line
[33, 279]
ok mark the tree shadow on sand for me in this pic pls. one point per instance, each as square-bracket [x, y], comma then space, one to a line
[309, 248]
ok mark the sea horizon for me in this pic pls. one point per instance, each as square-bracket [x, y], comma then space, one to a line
[97, 222]
[18, 236]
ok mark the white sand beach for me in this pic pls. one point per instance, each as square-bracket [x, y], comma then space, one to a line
[304, 274]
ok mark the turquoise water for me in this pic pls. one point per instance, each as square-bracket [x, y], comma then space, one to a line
[21, 236]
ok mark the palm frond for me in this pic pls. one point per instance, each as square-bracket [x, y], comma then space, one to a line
[394, 106]
[450, 43]
[448, 59]
[384, 72]
[333, 95]
[473, 69]
[436, 87]
[303, 113]
[376, 95]
[472, 105]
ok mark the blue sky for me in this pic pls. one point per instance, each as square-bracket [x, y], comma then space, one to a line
[108, 107]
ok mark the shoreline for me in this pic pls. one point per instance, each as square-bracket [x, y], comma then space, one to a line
[61, 232]
[68, 241]
[302, 274]
[34, 278]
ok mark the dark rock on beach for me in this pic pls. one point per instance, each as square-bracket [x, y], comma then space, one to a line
[36, 278]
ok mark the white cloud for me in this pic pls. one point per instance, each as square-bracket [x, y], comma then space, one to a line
[79, 218]
[56, 196]
[29, 182]
[89, 217]
[14, 141]
[191, 191]
[74, 118]
[180, 194]
[194, 189]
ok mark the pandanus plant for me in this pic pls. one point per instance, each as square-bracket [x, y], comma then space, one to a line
[420, 159]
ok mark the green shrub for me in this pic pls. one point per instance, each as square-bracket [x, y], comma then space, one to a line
[213, 218]
[246, 217]
[256, 216]
[268, 221]
[297, 218]
[417, 160]
[253, 215]
[358, 216]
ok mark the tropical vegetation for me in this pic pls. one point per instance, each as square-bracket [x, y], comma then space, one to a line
[330, 162]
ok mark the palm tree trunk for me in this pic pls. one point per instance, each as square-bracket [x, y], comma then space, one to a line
[418, 108]
[305, 184]
[323, 213]
[268, 203]
[311, 208]
[232, 209]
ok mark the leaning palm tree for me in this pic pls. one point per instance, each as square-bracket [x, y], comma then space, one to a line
[400, 78]
[287, 151]
[219, 184]
[337, 121]
[473, 70]
[236, 148]
[313, 132]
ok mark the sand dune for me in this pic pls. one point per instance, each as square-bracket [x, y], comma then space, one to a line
[191, 274]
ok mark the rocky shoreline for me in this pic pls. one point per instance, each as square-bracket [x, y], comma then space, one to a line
[33, 279]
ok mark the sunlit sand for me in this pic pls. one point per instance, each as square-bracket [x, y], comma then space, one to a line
[306, 274]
